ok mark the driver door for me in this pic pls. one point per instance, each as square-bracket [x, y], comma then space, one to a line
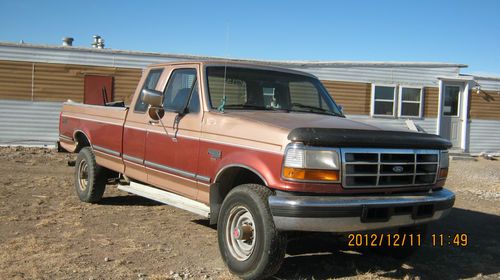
[172, 143]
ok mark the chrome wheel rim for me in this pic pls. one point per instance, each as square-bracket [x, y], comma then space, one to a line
[240, 233]
[83, 175]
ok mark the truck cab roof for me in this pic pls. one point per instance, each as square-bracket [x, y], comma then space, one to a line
[232, 63]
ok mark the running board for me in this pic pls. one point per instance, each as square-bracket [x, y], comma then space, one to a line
[167, 198]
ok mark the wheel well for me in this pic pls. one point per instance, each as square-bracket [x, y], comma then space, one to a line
[81, 141]
[225, 182]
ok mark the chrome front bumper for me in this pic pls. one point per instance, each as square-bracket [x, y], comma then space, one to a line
[358, 213]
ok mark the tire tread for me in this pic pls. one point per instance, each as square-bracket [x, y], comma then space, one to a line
[97, 177]
[276, 252]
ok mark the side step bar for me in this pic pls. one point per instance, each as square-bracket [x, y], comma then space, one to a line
[167, 198]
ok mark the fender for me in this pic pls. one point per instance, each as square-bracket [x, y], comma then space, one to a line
[266, 165]
[242, 166]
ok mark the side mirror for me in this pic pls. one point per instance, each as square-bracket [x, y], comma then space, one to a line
[155, 113]
[152, 97]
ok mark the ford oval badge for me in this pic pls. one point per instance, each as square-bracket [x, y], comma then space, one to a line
[397, 169]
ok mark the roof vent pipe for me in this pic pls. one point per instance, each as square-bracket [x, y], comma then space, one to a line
[67, 41]
[98, 42]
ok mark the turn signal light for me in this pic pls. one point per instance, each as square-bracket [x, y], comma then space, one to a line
[310, 174]
[443, 172]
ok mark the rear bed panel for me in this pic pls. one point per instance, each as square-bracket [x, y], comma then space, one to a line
[103, 126]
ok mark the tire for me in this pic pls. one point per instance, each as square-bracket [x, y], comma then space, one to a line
[90, 178]
[407, 251]
[250, 244]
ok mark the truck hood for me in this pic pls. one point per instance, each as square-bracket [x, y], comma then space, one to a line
[278, 128]
[294, 120]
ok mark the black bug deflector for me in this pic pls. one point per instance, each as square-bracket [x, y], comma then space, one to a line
[335, 137]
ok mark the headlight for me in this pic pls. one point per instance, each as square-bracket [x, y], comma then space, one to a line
[444, 162]
[311, 164]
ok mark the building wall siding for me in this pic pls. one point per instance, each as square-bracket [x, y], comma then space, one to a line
[29, 123]
[60, 82]
[354, 97]
[126, 81]
[15, 80]
[58, 76]
[411, 76]
[406, 73]
[484, 136]
[83, 56]
[431, 99]
[485, 105]
[488, 83]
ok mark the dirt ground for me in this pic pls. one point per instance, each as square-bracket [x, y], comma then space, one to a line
[47, 233]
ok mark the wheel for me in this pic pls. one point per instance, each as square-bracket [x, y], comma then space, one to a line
[406, 251]
[249, 242]
[90, 178]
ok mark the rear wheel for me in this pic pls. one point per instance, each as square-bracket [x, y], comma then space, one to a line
[90, 178]
[249, 242]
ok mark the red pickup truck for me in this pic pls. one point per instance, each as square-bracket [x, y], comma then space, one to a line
[260, 151]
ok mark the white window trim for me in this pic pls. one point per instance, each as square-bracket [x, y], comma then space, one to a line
[394, 101]
[400, 103]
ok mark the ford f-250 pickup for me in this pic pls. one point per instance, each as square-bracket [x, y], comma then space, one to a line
[259, 151]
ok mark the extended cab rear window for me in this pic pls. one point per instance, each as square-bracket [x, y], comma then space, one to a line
[150, 83]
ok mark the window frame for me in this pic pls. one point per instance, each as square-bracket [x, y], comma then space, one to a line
[322, 91]
[162, 71]
[394, 101]
[169, 79]
[400, 102]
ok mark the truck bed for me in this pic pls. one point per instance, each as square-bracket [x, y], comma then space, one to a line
[102, 126]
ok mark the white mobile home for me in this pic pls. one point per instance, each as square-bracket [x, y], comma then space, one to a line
[438, 97]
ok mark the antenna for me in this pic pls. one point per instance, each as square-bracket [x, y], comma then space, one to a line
[224, 98]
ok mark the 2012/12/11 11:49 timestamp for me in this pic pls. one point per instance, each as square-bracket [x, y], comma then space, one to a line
[457, 240]
[406, 239]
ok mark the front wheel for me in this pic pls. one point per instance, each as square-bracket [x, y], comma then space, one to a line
[249, 242]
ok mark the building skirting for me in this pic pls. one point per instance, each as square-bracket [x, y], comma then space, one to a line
[26, 123]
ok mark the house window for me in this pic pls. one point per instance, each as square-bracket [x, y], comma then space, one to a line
[383, 100]
[400, 101]
[410, 102]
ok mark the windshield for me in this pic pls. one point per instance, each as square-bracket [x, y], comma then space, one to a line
[253, 89]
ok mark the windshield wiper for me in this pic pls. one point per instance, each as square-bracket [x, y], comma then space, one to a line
[314, 109]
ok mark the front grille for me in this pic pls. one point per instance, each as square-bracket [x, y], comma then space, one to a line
[365, 168]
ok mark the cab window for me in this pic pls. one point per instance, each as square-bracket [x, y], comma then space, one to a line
[150, 83]
[182, 87]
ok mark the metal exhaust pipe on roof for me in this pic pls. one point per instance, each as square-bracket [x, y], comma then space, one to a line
[67, 41]
[98, 42]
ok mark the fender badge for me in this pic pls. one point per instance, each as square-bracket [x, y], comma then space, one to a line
[215, 154]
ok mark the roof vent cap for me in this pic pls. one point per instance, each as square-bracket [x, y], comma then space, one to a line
[68, 41]
[98, 42]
